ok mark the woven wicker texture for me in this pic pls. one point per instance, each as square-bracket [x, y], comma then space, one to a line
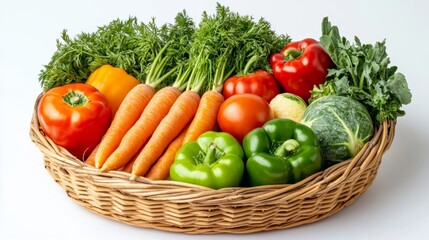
[180, 207]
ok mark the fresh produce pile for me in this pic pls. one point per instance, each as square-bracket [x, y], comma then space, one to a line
[223, 103]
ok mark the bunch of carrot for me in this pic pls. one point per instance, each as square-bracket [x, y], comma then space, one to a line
[150, 127]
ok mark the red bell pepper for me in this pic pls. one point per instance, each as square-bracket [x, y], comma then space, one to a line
[300, 66]
[75, 116]
[260, 83]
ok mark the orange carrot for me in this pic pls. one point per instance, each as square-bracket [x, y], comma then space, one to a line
[206, 117]
[205, 120]
[161, 169]
[181, 113]
[91, 158]
[129, 167]
[155, 111]
[129, 111]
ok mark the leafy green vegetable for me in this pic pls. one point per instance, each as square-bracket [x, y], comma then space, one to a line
[363, 73]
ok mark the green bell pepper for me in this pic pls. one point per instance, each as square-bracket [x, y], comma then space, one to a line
[281, 151]
[214, 160]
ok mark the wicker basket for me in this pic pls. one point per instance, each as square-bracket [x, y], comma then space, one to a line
[180, 207]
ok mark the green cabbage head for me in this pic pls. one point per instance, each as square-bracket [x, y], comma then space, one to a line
[342, 126]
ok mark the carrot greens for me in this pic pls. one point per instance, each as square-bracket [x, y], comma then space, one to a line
[225, 43]
[127, 44]
[182, 53]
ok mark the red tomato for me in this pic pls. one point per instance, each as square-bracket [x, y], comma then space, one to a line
[242, 113]
[75, 116]
[260, 83]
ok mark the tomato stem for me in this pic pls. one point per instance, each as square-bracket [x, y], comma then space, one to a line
[75, 99]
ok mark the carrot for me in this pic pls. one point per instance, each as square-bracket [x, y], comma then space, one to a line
[181, 113]
[129, 111]
[91, 158]
[161, 169]
[129, 166]
[205, 120]
[206, 117]
[155, 111]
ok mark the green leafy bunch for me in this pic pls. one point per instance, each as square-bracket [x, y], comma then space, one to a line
[227, 43]
[363, 73]
[128, 44]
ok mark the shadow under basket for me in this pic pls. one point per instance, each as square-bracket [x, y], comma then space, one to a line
[180, 207]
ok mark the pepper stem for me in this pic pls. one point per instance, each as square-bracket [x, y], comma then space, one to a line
[287, 148]
[292, 53]
[210, 157]
[75, 99]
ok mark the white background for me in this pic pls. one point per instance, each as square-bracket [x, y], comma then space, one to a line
[33, 206]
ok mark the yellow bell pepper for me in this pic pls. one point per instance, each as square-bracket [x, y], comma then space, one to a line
[113, 82]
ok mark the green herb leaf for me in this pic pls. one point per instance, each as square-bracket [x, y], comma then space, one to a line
[397, 84]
